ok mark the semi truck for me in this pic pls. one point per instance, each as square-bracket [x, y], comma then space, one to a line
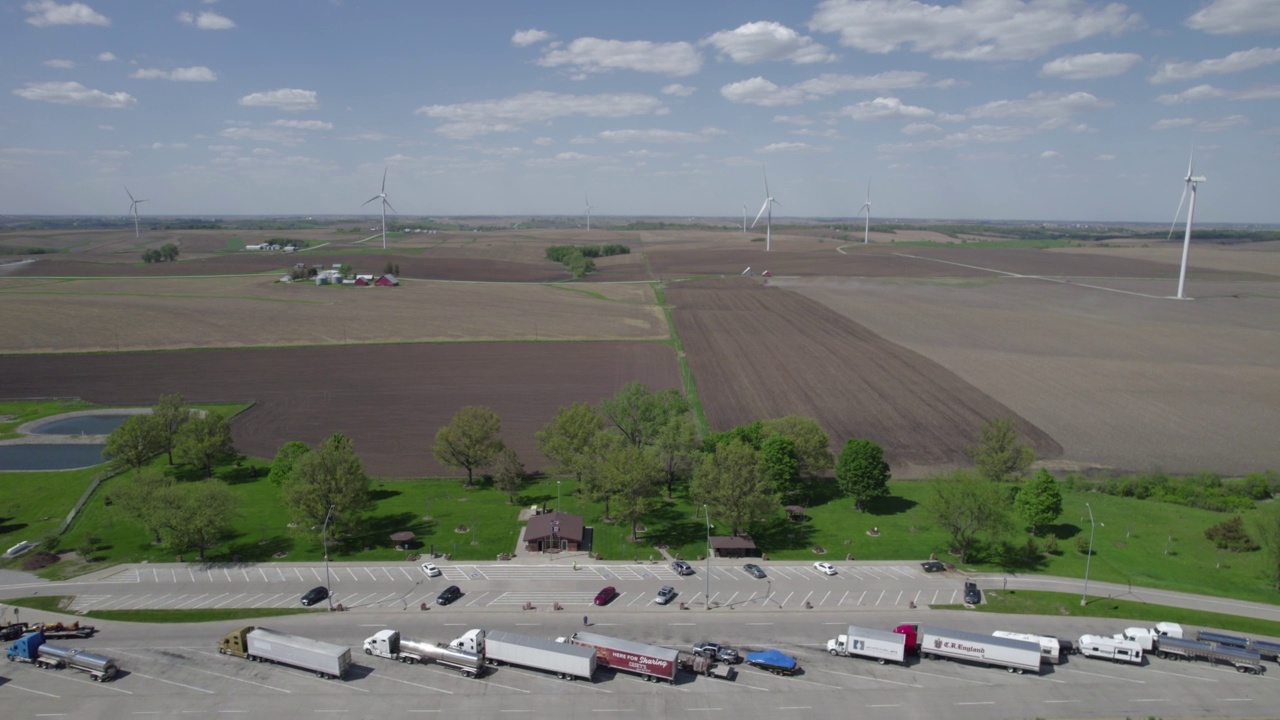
[1244, 661]
[1110, 648]
[391, 644]
[1016, 656]
[879, 645]
[1147, 637]
[1050, 647]
[265, 645]
[498, 647]
[32, 648]
[652, 662]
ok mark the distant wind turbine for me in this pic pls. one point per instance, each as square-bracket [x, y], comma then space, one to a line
[587, 202]
[385, 204]
[866, 230]
[133, 208]
[744, 218]
[769, 202]
[1190, 184]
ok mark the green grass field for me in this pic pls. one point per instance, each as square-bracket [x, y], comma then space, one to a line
[59, 603]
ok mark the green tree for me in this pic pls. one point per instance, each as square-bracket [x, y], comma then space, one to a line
[751, 434]
[675, 447]
[862, 472]
[639, 413]
[171, 412]
[169, 252]
[779, 462]
[470, 441]
[569, 437]
[202, 515]
[1000, 454]
[1038, 502]
[1267, 529]
[813, 446]
[508, 474]
[286, 457]
[133, 444]
[345, 270]
[332, 475]
[969, 508]
[632, 475]
[143, 498]
[204, 441]
[731, 482]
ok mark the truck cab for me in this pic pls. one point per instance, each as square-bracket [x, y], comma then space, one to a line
[913, 637]
[384, 643]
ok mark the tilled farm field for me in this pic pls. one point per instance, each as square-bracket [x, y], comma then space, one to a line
[390, 400]
[761, 352]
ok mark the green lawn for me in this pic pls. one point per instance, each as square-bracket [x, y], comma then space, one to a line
[13, 414]
[59, 603]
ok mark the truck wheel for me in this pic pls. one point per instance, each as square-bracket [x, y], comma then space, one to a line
[1021, 671]
[880, 660]
[1241, 669]
[833, 653]
[367, 651]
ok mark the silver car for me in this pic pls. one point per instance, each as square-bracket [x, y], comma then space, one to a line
[665, 595]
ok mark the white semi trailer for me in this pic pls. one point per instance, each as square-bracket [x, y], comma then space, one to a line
[1050, 647]
[1016, 656]
[391, 644]
[499, 647]
[324, 659]
[883, 646]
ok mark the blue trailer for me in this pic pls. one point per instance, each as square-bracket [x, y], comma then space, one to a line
[775, 661]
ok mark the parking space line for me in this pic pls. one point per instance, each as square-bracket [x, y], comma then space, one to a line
[264, 602]
[869, 677]
[784, 602]
[882, 592]
[407, 576]
[899, 600]
[478, 599]
[230, 599]
[406, 682]
[420, 600]
[638, 598]
[806, 597]
[94, 682]
[19, 687]
[232, 677]
[824, 598]
[184, 602]
[916, 599]
[215, 597]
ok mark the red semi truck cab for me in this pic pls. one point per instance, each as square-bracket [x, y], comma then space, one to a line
[913, 639]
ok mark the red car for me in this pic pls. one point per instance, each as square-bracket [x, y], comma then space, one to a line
[606, 596]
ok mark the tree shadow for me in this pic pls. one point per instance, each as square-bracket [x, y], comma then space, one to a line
[890, 505]
[380, 494]
[1063, 531]
[377, 530]
[6, 529]
[668, 526]
[782, 534]
[256, 550]
[239, 475]
[814, 492]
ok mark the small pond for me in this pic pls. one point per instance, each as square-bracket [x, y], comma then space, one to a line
[82, 425]
[42, 456]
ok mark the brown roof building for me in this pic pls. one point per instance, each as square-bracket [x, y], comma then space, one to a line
[736, 546]
[554, 531]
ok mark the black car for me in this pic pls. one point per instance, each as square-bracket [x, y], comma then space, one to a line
[972, 595]
[754, 570]
[315, 595]
[448, 595]
[933, 566]
[682, 568]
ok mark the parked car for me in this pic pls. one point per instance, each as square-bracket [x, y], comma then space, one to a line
[682, 568]
[448, 595]
[825, 568]
[754, 570]
[315, 595]
[606, 596]
[933, 566]
[972, 595]
[430, 569]
[665, 595]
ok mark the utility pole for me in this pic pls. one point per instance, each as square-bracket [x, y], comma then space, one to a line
[1088, 560]
[707, 514]
[324, 538]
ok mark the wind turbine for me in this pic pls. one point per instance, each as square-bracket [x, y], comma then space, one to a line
[385, 204]
[133, 208]
[866, 229]
[1190, 184]
[744, 218]
[587, 202]
[769, 202]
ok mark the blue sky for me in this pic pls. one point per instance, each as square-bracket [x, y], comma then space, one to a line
[1002, 109]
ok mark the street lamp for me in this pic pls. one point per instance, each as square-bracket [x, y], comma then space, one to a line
[707, 515]
[557, 496]
[324, 538]
[1088, 559]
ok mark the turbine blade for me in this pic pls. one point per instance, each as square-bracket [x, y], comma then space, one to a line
[1174, 224]
[774, 202]
[766, 181]
[366, 202]
[388, 204]
[384, 180]
[1190, 162]
[759, 214]
[126, 192]
[868, 192]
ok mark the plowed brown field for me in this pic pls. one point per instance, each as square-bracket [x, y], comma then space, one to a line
[758, 352]
[390, 400]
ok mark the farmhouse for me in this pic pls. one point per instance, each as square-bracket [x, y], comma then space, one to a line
[554, 531]
[387, 280]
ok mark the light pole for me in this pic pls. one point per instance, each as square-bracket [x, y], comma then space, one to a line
[324, 538]
[707, 515]
[1088, 559]
[557, 496]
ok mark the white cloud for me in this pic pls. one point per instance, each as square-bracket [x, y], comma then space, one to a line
[303, 124]
[525, 38]
[206, 20]
[261, 134]
[793, 119]
[472, 119]
[976, 135]
[970, 29]
[830, 133]
[1237, 17]
[884, 108]
[678, 90]
[920, 128]
[1221, 124]
[798, 148]
[1235, 62]
[1269, 92]
[284, 99]
[564, 159]
[582, 140]
[1090, 66]
[759, 91]
[1050, 155]
[113, 154]
[654, 136]
[106, 57]
[831, 83]
[73, 93]
[47, 12]
[1170, 123]
[1199, 92]
[108, 128]
[198, 73]
[543, 141]
[34, 152]
[1106, 157]
[760, 41]
[590, 55]
[165, 146]
[60, 64]
[1041, 105]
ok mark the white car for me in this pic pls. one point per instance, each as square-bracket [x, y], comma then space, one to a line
[825, 568]
[430, 569]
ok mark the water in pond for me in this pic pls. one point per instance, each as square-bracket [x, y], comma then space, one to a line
[49, 457]
[82, 425]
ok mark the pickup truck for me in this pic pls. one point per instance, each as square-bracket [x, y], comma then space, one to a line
[717, 652]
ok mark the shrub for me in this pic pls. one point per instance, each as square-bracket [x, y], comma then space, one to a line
[1231, 535]
[1051, 544]
[40, 560]
[1082, 544]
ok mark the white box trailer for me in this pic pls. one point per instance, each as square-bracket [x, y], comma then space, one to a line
[880, 645]
[1050, 648]
[1016, 656]
[1110, 648]
[499, 647]
[264, 645]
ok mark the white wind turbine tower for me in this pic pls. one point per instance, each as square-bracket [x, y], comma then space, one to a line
[866, 229]
[133, 208]
[769, 202]
[744, 218]
[1190, 184]
[587, 202]
[385, 204]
